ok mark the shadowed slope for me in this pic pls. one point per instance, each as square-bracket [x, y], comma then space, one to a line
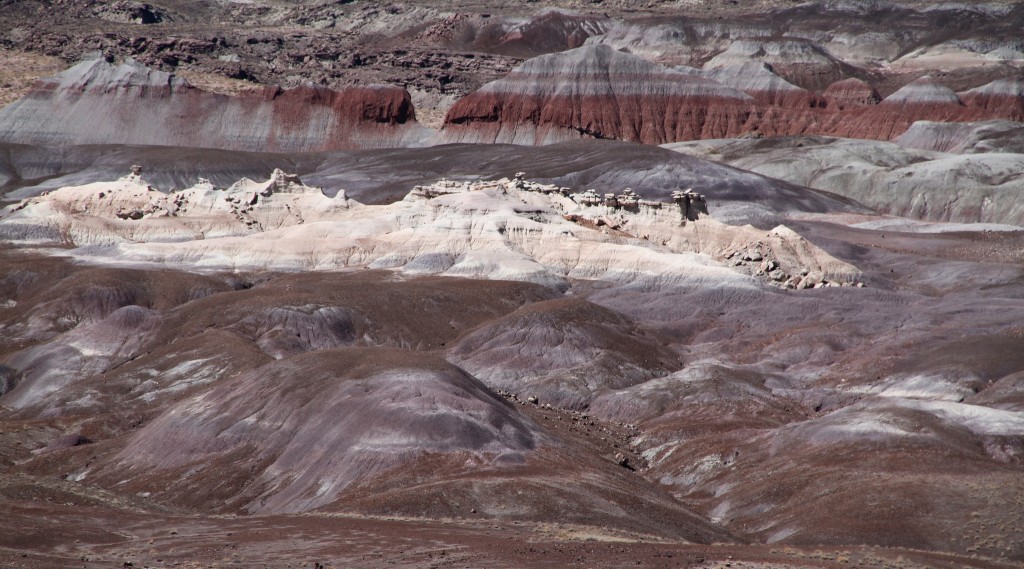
[564, 351]
[291, 435]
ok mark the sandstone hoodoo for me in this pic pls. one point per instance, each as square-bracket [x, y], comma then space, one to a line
[97, 102]
[597, 92]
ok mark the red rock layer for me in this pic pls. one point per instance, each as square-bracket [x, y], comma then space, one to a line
[850, 94]
[597, 92]
[386, 105]
[1003, 98]
[760, 81]
[487, 118]
[97, 102]
[923, 99]
[888, 121]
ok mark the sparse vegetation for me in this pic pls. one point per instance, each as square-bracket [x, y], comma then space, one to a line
[19, 70]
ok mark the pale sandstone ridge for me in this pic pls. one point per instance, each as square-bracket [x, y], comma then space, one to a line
[506, 229]
[130, 209]
[99, 102]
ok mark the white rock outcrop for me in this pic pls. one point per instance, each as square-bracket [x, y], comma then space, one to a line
[507, 229]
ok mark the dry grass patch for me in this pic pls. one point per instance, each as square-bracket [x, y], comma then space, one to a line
[19, 70]
[217, 83]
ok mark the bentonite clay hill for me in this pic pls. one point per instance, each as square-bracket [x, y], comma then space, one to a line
[981, 185]
[592, 91]
[96, 102]
[595, 91]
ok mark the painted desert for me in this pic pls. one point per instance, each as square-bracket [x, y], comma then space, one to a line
[475, 284]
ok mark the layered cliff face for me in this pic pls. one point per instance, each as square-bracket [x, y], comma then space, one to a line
[759, 80]
[598, 92]
[595, 91]
[800, 61]
[1003, 98]
[922, 99]
[850, 94]
[99, 102]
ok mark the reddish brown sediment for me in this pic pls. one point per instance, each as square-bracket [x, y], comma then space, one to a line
[1003, 98]
[597, 92]
[601, 93]
[850, 94]
[760, 81]
[97, 102]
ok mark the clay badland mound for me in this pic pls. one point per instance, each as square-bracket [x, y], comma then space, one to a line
[100, 102]
[564, 351]
[292, 435]
[597, 92]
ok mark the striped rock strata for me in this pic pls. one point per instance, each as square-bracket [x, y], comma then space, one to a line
[850, 94]
[1003, 98]
[99, 102]
[759, 80]
[922, 99]
[597, 92]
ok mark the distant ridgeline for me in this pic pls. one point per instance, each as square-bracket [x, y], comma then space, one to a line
[593, 91]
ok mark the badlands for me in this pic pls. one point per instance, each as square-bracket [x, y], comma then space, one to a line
[580, 283]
